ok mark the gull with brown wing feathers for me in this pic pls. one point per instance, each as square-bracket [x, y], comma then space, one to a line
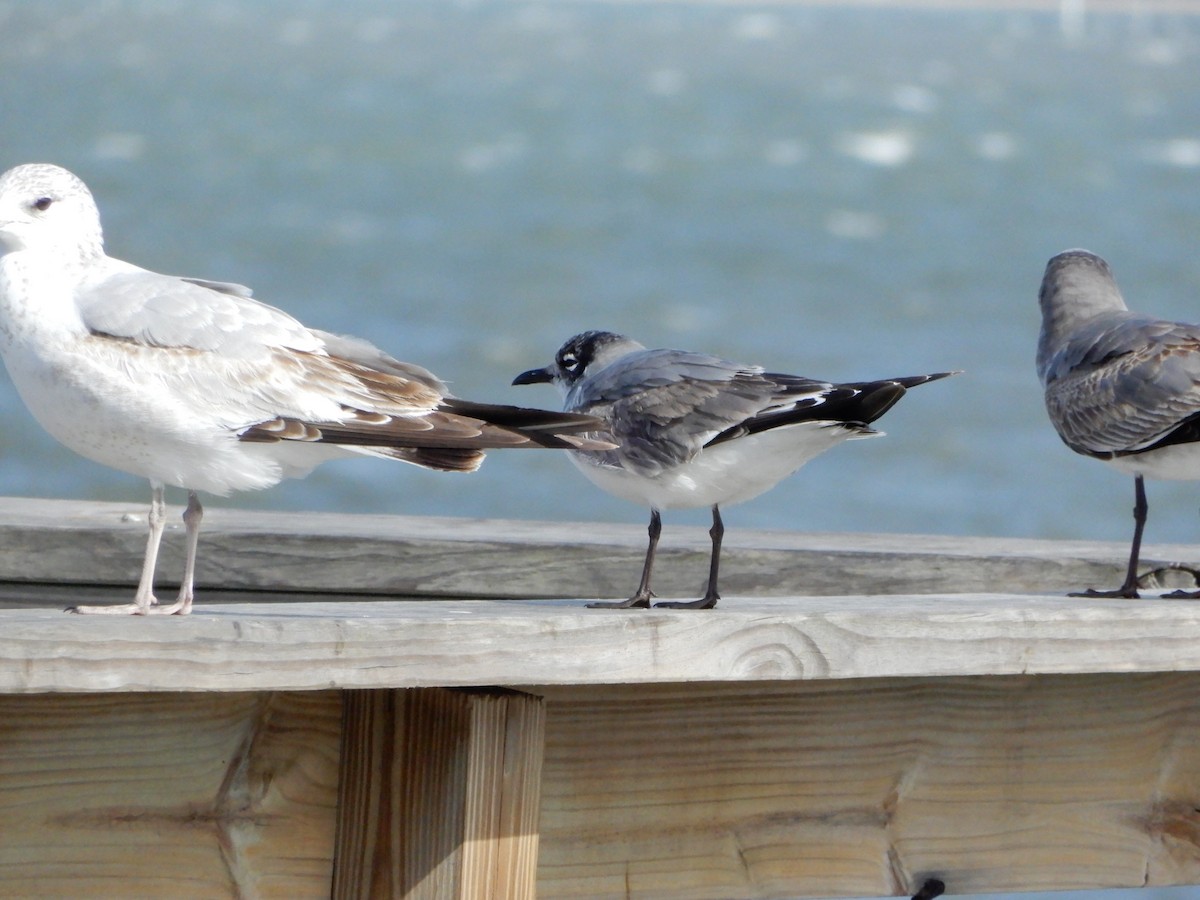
[1120, 386]
[194, 383]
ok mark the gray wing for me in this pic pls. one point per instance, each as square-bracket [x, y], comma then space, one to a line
[165, 311]
[1123, 384]
[366, 354]
[663, 406]
[225, 287]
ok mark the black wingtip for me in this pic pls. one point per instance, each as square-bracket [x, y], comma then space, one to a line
[914, 380]
[874, 398]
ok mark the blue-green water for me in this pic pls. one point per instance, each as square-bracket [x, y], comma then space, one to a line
[843, 193]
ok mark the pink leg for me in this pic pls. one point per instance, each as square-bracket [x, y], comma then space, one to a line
[192, 517]
[144, 599]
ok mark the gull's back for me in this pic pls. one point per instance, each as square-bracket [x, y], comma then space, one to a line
[1116, 382]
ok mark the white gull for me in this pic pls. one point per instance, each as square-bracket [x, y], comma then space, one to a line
[193, 383]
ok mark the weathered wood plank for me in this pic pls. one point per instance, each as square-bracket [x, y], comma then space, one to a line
[811, 737]
[503, 796]
[440, 795]
[866, 788]
[65, 542]
[364, 826]
[851, 788]
[171, 795]
[395, 644]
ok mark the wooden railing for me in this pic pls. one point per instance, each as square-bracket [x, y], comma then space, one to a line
[861, 715]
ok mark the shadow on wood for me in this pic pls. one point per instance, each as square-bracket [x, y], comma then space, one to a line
[439, 795]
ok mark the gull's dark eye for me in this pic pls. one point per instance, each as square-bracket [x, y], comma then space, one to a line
[568, 361]
[41, 204]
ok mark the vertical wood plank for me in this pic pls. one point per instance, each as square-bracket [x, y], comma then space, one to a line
[429, 791]
[364, 803]
[503, 805]
[440, 795]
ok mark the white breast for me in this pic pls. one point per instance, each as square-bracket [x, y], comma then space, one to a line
[1178, 462]
[726, 473]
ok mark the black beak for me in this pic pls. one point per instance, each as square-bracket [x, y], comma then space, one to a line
[534, 376]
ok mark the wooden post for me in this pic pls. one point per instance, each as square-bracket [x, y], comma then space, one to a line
[439, 794]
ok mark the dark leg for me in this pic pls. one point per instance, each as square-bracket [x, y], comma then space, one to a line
[641, 597]
[1129, 588]
[710, 598]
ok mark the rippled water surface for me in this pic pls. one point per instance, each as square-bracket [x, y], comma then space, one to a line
[843, 193]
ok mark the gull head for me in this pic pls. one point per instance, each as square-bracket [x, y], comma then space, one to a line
[1076, 287]
[1078, 284]
[588, 352]
[44, 208]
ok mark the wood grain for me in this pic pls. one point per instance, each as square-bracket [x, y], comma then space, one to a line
[866, 788]
[61, 542]
[362, 853]
[391, 644]
[171, 795]
[503, 796]
[861, 712]
[440, 795]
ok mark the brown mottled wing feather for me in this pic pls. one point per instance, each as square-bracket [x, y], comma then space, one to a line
[389, 409]
[441, 458]
[1126, 402]
[267, 377]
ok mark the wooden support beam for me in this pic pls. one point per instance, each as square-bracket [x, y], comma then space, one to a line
[863, 787]
[216, 795]
[62, 543]
[439, 796]
[399, 644]
[796, 746]
[869, 787]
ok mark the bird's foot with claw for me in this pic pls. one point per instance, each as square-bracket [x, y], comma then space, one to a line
[702, 603]
[180, 606]
[1120, 593]
[1162, 576]
[123, 609]
[637, 601]
[1182, 595]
